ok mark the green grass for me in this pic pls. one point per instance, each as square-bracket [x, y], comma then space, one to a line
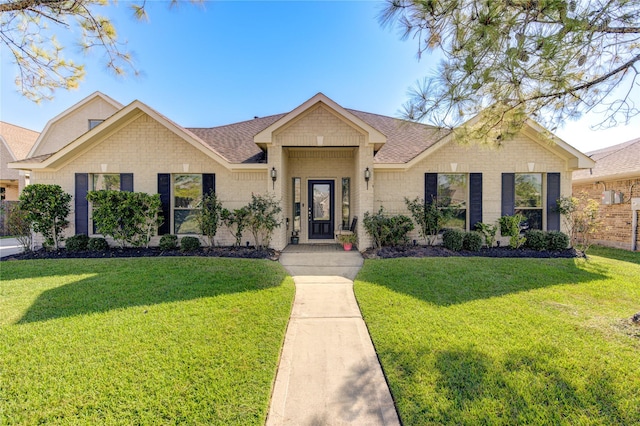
[508, 341]
[140, 341]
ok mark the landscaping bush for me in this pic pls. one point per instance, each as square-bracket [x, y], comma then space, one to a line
[209, 217]
[387, 231]
[453, 239]
[263, 218]
[19, 226]
[235, 221]
[97, 244]
[47, 208]
[189, 244]
[429, 218]
[168, 242]
[510, 227]
[488, 231]
[77, 242]
[556, 240]
[536, 239]
[472, 241]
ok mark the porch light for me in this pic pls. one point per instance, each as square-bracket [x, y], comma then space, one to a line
[367, 176]
[274, 176]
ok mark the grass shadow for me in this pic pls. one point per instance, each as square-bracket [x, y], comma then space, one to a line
[451, 281]
[123, 283]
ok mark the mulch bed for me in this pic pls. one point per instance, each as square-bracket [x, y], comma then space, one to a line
[251, 253]
[439, 251]
[235, 252]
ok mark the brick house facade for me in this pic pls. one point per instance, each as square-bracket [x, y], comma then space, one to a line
[326, 164]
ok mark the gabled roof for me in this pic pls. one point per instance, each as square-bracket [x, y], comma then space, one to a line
[617, 161]
[117, 105]
[18, 140]
[125, 115]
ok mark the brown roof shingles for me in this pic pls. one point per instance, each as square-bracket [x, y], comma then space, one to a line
[405, 140]
[19, 139]
[620, 159]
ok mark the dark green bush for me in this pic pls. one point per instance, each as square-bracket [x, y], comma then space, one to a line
[453, 239]
[556, 240]
[77, 242]
[472, 241]
[189, 244]
[387, 230]
[97, 244]
[168, 242]
[536, 240]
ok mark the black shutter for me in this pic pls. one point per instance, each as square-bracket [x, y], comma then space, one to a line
[553, 193]
[430, 187]
[475, 199]
[81, 204]
[508, 193]
[164, 189]
[208, 183]
[126, 182]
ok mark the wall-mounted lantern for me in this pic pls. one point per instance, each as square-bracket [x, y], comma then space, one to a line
[274, 176]
[367, 176]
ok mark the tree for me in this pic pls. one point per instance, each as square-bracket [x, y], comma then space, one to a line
[263, 218]
[210, 216]
[508, 60]
[581, 216]
[28, 30]
[48, 207]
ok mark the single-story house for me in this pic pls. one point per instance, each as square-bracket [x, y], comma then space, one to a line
[614, 182]
[326, 164]
[15, 144]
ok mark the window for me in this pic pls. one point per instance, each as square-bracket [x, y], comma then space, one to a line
[528, 199]
[187, 194]
[296, 205]
[3, 193]
[94, 122]
[346, 205]
[106, 181]
[452, 195]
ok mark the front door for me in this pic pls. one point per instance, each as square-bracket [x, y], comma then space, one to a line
[321, 217]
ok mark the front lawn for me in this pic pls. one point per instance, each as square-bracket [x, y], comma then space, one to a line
[140, 341]
[507, 341]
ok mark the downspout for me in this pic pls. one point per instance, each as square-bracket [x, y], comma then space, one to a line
[634, 231]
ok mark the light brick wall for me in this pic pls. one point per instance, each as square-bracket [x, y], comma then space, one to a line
[73, 125]
[146, 148]
[617, 219]
[391, 187]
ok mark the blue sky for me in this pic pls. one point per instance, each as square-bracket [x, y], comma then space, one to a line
[223, 62]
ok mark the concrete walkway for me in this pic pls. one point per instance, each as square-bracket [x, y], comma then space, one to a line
[329, 373]
[9, 246]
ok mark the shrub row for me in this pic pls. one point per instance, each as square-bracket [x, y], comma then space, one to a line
[457, 239]
[82, 242]
[546, 240]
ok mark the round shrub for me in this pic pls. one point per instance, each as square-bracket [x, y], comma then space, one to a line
[536, 240]
[168, 242]
[472, 241]
[556, 240]
[98, 244]
[189, 244]
[453, 239]
[77, 242]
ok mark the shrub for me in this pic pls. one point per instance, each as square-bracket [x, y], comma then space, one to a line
[235, 221]
[581, 217]
[18, 225]
[387, 231]
[128, 217]
[453, 239]
[472, 241]
[536, 239]
[429, 218]
[510, 227]
[488, 231]
[97, 244]
[189, 244]
[168, 242]
[78, 242]
[47, 208]
[556, 240]
[262, 218]
[209, 217]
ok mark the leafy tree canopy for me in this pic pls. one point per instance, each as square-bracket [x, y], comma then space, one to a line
[507, 60]
[28, 29]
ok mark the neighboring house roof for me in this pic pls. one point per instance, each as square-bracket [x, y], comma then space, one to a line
[618, 161]
[17, 139]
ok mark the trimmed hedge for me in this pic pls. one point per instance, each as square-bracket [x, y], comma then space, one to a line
[472, 241]
[536, 240]
[97, 244]
[189, 244]
[77, 242]
[168, 242]
[453, 239]
[556, 240]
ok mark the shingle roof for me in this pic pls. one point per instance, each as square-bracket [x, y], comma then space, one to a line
[621, 159]
[19, 139]
[405, 140]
